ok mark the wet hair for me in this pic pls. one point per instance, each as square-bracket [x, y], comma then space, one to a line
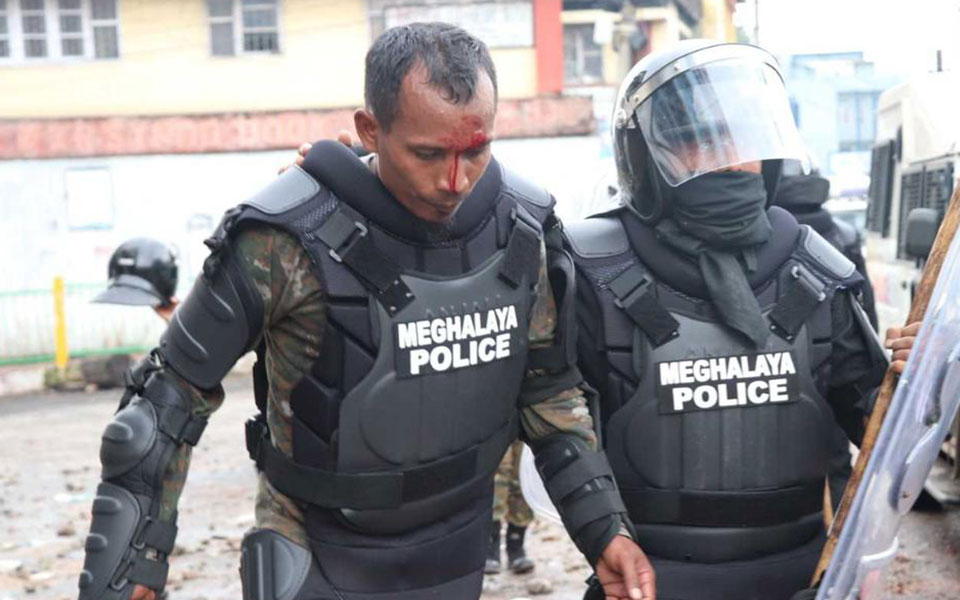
[452, 58]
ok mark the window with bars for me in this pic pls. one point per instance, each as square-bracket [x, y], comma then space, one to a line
[33, 20]
[244, 27]
[104, 24]
[582, 56]
[71, 27]
[33, 30]
[4, 30]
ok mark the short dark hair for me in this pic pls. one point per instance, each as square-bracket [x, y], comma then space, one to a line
[452, 57]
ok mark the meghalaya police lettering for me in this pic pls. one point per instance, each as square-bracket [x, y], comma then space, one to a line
[726, 382]
[455, 342]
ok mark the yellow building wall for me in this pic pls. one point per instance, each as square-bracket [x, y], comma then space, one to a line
[666, 29]
[717, 21]
[516, 71]
[165, 66]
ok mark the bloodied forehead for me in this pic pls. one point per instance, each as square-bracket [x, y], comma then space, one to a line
[427, 116]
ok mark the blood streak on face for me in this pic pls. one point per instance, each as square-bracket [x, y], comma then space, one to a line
[470, 137]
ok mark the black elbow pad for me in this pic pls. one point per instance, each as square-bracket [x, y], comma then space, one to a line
[219, 322]
[128, 544]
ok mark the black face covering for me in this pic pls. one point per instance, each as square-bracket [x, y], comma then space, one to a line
[719, 218]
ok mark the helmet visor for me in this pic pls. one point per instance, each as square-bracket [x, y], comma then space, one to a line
[718, 115]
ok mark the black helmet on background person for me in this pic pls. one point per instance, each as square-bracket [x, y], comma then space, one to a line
[801, 193]
[698, 107]
[142, 272]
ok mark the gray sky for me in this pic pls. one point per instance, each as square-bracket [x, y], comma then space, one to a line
[899, 35]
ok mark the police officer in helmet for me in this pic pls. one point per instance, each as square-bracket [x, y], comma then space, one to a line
[725, 340]
[804, 195]
[142, 272]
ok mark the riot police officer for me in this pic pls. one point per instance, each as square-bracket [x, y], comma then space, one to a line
[803, 195]
[403, 309]
[724, 338]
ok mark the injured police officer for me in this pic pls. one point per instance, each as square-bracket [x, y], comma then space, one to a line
[409, 322]
[725, 339]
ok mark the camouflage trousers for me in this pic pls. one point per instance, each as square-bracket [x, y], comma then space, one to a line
[508, 502]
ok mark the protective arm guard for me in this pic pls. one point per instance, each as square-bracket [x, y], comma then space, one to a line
[581, 486]
[861, 394]
[128, 543]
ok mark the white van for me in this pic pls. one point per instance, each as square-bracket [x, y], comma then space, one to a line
[914, 170]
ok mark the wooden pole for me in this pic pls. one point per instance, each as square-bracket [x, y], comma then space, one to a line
[931, 271]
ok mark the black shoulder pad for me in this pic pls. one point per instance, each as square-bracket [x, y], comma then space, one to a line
[597, 237]
[286, 192]
[217, 323]
[534, 198]
[824, 255]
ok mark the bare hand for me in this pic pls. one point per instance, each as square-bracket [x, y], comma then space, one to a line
[166, 312]
[142, 593]
[624, 572]
[344, 137]
[900, 340]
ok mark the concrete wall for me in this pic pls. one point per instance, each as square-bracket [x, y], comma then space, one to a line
[177, 199]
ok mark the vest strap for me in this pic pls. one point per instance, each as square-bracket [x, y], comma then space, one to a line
[374, 490]
[522, 254]
[349, 242]
[703, 508]
[803, 293]
[634, 293]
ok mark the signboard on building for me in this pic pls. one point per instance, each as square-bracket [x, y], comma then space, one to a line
[498, 24]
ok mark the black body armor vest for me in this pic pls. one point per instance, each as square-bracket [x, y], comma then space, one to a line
[719, 449]
[400, 424]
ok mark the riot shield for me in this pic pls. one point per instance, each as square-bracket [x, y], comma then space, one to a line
[918, 420]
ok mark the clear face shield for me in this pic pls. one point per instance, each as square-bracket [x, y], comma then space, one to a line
[717, 115]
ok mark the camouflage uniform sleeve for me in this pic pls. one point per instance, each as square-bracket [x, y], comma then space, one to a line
[295, 316]
[273, 261]
[566, 411]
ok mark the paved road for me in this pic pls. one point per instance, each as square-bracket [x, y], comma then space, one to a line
[49, 470]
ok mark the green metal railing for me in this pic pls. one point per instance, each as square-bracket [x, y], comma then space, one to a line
[28, 325]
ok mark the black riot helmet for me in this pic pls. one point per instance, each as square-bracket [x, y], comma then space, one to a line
[700, 106]
[142, 272]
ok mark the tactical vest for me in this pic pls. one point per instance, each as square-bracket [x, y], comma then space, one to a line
[401, 422]
[719, 449]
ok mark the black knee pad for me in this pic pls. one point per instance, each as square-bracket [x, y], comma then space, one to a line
[272, 567]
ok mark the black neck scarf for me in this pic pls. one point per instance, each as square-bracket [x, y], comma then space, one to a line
[719, 219]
